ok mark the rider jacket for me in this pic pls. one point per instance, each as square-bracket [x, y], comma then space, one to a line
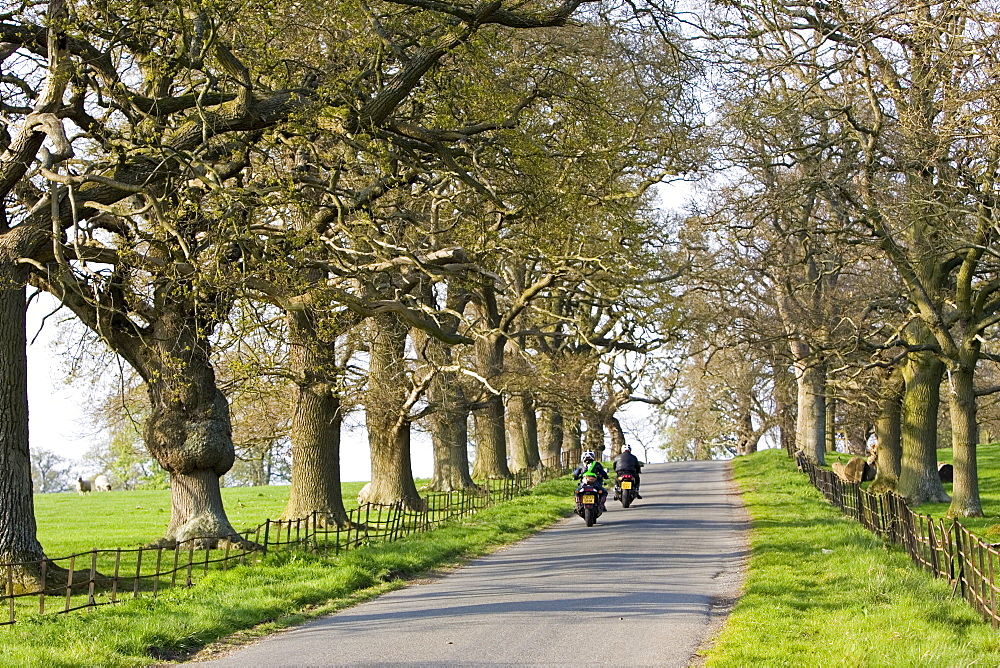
[596, 469]
[626, 461]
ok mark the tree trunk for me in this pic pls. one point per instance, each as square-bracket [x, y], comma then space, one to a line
[450, 436]
[888, 448]
[522, 431]
[593, 438]
[811, 423]
[965, 500]
[18, 539]
[830, 427]
[572, 439]
[449, 421]
[784, 408]
[316, 425]
[746, 440]
[491, 438]
[617, 434]
[918, 476]
[386, 415]
[550, 436]
[188, 431]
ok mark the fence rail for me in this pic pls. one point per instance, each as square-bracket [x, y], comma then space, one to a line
[945, 548]
[104, 577]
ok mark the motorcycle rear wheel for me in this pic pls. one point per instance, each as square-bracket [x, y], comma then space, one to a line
[590, 516]
[627, 497]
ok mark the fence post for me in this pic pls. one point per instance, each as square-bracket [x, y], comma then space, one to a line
[114, 580]
[41, 592]
[69, 581]
[9, 589]
[93, 576]
[960, 560]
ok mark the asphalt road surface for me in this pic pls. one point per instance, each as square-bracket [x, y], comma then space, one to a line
[645, 586]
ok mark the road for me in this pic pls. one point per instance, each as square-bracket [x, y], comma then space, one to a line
[646, 586]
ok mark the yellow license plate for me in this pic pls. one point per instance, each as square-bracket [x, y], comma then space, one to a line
[587, 498]
[626, 485]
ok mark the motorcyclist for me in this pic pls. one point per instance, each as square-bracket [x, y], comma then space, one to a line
[626, 462]
[591, 466]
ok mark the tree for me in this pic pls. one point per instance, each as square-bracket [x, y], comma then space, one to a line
[49, 472]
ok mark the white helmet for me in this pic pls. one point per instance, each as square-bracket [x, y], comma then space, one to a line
[589, 454]
[626, 448]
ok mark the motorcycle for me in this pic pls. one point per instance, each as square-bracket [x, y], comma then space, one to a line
[588, 500]
[625, 489]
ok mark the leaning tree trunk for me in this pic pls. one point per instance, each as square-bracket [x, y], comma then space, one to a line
[888, 448]
[550, 436]
[316, 424]
[188, 431]
[965, 501]
[522, 431]
[386, 415]
[593, 438]
[918, 475]
[491, 438]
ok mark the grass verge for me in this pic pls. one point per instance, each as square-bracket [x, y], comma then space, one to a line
[822, 591]
[285, 588]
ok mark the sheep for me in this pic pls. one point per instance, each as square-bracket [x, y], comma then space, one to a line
[102, 484]
[82, 486]
[363, 494]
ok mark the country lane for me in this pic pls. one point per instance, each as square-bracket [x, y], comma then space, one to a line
[646, 586]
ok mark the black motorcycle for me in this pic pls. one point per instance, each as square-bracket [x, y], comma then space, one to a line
[588, 501]
[625, 489]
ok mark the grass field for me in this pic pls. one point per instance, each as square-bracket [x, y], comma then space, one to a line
[822, 591]
[69, 522]
[989, 490]
[286, 587]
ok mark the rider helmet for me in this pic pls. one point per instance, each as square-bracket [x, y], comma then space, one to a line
[588, 456]
[626, 448]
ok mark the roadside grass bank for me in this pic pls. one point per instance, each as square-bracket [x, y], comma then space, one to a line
[285, 588]
[822, 591]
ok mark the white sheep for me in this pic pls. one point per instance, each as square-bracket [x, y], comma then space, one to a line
[363, 494]
[102, 484]
[82, 486]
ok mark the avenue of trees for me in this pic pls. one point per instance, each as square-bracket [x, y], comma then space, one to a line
[267, 217]
[847, 283]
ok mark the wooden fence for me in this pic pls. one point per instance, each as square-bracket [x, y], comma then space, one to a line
[945, 548]
[104, 577]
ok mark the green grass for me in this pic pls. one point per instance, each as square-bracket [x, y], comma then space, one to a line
[285, 588]
[822, 591]
[69, 522]
[988, 459]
